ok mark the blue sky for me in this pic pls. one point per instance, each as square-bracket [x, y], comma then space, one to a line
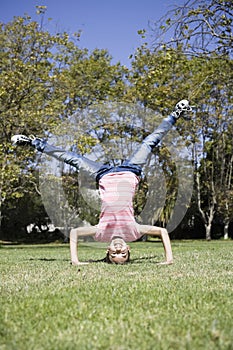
[105, 24]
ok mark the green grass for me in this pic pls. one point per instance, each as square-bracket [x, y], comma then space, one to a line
[48, 304]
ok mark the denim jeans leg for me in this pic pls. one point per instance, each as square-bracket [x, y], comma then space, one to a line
[139, 157]
[76, 160]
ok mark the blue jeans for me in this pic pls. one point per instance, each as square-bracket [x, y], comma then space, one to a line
[134, 163]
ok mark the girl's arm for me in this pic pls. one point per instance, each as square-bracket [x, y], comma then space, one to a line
[163, 234]
[74, 233]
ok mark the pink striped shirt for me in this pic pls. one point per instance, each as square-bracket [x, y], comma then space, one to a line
[117, 215]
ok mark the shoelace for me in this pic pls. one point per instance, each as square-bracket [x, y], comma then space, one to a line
[184, 109]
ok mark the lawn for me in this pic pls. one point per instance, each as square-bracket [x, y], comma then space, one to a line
[48, 304]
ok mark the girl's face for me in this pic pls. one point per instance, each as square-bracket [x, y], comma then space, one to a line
[118, 251]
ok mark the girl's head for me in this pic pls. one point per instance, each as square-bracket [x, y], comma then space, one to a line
[118, 251]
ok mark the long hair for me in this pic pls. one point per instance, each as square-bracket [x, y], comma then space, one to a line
[107, 260]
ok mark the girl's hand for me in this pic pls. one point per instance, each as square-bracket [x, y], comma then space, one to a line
[166, 263]
[78, 263]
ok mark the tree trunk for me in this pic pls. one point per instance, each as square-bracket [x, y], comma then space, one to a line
[226, 226]
[0, 222]
[207, 215]
[208, 232]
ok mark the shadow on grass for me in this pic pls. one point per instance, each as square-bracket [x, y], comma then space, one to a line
[149, 259]
[34, 246]
[46, 259]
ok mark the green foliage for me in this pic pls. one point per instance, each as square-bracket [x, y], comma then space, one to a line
[92, 78]
[44, 78]
[29, 99]
[212, 126]
[208, 85]
[159, 79]
[47, 304]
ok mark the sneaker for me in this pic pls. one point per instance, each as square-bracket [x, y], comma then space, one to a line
[22, 140]
[181, 108]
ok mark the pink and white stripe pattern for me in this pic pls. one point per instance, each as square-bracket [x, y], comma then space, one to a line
[117, 215]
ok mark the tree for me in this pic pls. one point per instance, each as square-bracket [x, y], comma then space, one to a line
[212, 140]
[203, 30]
[29, 99]
[91, 78]
[220, 153]
[44, 79]
[202, 27]
[158, 80]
